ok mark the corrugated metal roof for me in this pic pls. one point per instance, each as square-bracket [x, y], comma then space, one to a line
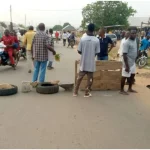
[69, 28]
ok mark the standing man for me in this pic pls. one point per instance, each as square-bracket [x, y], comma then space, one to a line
[104, 43]
[57, 36]
[50, 54]
[64, 36]
[41, 44]
[28, 38]
[126, 36]
[68, 35]
[129, 57]
[88, 48]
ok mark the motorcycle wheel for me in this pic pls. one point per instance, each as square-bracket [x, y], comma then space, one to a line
[142, 62]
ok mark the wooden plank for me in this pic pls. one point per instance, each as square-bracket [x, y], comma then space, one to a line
[111, 75]
[76, 65]
[108, 65]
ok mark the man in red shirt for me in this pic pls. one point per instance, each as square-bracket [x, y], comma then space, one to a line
[57, 36]
[9, 41]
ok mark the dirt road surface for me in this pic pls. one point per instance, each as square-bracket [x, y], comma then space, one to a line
[107, 120]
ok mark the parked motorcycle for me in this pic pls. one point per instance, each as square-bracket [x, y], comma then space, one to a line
[142, 59]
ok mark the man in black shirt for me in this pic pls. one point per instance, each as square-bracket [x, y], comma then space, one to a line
[104, 42]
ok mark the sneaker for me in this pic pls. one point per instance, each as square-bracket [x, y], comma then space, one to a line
[88, 95]
[75, 95]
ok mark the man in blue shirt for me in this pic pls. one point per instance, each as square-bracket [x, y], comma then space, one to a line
[144, 44]
[104, 42]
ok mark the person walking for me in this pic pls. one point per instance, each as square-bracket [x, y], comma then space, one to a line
[57, 36]
[28, 38]
[129, 56]
[50, 54]
[89, 46]
[41, 44]
[104, 42]
[126, 36]
[64, 36]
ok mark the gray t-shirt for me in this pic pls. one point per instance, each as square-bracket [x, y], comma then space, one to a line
[130, 47]
[89, 46]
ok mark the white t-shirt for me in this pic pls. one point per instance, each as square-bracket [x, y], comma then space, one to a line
[89, 46]
[121, 46]
[68, 35]
[65, 36]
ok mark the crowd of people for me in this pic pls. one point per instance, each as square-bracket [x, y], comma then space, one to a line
[39, 48]
[91, 47]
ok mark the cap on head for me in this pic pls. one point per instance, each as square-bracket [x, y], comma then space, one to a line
[41, 27]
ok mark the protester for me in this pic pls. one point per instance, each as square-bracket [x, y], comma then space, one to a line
[41, 44]
[89, 46]
[68, 35]
[144, 45]
[129, 57]
[21, 40]
[71, 39]
[28, 41]
[142, 34]
[126, 36]
[104, 43]
[50, 54]
[57, 36]
[64, 36]
[8, 42]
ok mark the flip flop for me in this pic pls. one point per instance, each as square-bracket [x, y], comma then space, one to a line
[123, 93]
[132, 91]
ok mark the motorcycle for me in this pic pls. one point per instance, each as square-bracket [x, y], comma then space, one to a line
[5, 61]
[72, 43]
[22, 53]
[142, 59]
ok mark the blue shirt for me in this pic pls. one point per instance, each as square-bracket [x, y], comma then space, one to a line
[144, 44]
[104, 46]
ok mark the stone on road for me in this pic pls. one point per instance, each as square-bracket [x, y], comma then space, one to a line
[39, 121]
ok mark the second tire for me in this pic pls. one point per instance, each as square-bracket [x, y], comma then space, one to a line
[47, 88]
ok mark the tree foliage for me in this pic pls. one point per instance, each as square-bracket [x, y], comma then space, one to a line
[57, 28]
[21, 25]
[3, 24]
[65, 24]
[107, 13]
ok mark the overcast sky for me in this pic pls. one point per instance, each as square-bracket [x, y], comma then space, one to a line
[50, 18]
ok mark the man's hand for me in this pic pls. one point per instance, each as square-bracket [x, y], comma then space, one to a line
[54, 52]
[127, 69]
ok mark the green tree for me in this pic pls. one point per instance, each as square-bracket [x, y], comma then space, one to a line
[65, 24]
[3, 24]
[57, 28]
[21, 25]
[106, 13]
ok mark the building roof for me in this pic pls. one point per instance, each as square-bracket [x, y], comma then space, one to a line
[136, 21]
[69, 28]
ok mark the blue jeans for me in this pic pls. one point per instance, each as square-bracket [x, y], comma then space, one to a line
[39, 66]
[102, 58]
[50, 63]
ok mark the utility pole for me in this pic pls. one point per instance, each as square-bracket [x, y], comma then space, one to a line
[11, 24]
[25, 20]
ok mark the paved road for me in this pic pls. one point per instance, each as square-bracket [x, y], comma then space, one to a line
[107, 120]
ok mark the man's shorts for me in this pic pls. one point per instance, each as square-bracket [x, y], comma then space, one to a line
[132, 71]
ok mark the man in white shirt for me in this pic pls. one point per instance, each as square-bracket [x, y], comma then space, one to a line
[64, 36]
[89, 47]
[127, 34]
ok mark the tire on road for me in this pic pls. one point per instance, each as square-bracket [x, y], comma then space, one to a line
[7, 92]
[47, 88]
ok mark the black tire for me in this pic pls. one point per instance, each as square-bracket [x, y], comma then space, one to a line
[7, 92]
[47, 88]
